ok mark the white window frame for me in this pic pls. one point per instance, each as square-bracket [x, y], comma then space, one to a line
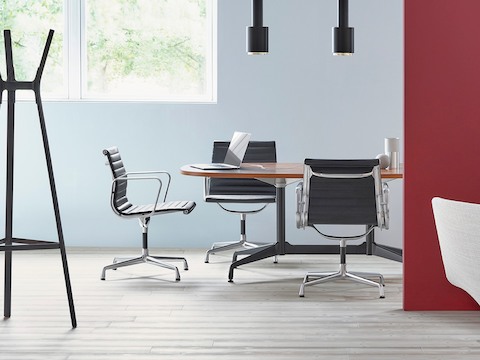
[75, 64]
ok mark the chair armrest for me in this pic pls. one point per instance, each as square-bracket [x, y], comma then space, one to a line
[206, 188]
[136, 176]
[139, 175]
[384, 204]
[300, 213]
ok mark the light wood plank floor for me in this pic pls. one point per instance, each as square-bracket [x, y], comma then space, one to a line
[142, 313]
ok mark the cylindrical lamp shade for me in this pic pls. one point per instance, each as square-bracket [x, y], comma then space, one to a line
[257, 40]
[342, 40]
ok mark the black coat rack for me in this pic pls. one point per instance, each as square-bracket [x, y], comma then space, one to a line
[10, 243]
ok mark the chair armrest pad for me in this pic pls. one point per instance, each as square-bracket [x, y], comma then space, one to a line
[299, 215]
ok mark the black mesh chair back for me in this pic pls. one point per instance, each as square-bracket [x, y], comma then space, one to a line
[257, 151]
[347, 201]
[119, 189]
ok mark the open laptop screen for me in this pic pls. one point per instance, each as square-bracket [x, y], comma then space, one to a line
[234, 156]
[237, 148]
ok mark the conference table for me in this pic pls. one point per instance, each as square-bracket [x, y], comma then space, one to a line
[280, 175]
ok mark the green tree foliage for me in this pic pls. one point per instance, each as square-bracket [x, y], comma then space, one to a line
[146, 44]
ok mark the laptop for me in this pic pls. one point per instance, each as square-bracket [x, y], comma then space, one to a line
[235, 153]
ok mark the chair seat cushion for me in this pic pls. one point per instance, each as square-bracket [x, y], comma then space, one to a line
[170, 206]
[241, 199]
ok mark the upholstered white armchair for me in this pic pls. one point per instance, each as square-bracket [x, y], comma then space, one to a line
[458, 229]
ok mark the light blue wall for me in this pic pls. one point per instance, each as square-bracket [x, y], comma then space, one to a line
[312, 103]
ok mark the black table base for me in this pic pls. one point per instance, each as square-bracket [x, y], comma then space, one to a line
[267, 251]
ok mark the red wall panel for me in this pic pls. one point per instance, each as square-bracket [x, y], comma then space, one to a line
[442, 132]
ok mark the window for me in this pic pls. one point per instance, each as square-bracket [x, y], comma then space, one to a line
[160, 50]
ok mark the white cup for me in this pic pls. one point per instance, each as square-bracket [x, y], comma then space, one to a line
[392, 149]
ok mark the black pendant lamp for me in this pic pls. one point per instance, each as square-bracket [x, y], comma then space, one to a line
[257, 34]
[342, 35]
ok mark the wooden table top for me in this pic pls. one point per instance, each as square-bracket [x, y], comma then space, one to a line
[268, 170]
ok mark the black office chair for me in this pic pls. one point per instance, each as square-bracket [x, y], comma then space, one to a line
[240, 191]
[346, 192]
[125, 209]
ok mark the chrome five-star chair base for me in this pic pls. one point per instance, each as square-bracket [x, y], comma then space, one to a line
[146, 257]
[149, 259]
[242, 246]
[342, 273]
